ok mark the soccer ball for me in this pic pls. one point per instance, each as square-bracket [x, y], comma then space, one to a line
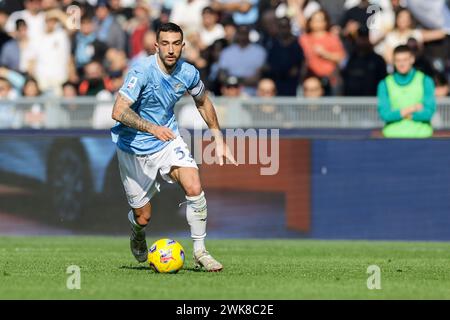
[166, 256]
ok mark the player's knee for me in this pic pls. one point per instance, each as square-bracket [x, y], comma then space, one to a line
[193, 189]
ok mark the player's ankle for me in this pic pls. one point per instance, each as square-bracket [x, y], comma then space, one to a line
[199, 245]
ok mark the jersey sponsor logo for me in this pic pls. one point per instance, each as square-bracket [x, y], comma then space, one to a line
[132, 83]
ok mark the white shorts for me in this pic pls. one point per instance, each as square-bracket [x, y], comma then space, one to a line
[138, 172]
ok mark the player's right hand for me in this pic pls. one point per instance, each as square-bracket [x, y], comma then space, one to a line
[163, 133]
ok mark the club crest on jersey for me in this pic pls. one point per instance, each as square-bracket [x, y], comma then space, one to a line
[132, 83]
[178, 86]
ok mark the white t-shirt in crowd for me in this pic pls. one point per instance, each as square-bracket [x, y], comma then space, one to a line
[188, 15]
[395, 38]
[35, 24]
[209, 36]
[53, 47]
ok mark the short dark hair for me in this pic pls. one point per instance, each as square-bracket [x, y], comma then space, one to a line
[208, 10]
[402, 49]
[87, 17]
[169, 27]
[20, 23]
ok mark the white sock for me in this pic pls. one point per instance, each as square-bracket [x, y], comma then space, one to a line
[196, 213]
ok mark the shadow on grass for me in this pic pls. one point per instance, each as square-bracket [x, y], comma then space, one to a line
[148, 268]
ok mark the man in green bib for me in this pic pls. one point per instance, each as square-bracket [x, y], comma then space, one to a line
[406, 100]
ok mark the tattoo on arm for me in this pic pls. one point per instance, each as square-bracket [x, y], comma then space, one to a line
[125, 115]
[131, 119]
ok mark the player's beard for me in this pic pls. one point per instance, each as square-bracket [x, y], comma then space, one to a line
[170, 63]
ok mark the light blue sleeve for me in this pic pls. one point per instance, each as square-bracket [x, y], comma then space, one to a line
[16, 79]
[135, 80]
[194, 79]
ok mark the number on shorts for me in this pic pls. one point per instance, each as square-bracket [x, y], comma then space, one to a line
[179, 151]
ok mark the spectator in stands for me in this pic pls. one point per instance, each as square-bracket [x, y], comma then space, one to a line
[188, 14]
[352, 20]
[99, 85]
[323, 50]
[284, 60]
[15, 79]
[421, 61]
[86, 47]
[7, 92]
[268, 30]
[148, 47]
[266, 88]
[406, 99]
[47, 5]
[123, 14]
[267, 110]
[69, 93]
[442, 85]
[192, 52]
[69, 89]
[312, 87]
[117, 79]
[15, 54]
[34, 115]
[138, 26]
[31, 88]
[4, 37]
[243, 60]
[115, 61]
[302, 11]
[9, 117]
[364, 69]
[230, 31]
[212, 56]
[53, 47]
[95, 80]
[164, 17]
[108, 30]
[231, 110]
[404, 30]
[211, 30]
[244, 12]
[34, 18]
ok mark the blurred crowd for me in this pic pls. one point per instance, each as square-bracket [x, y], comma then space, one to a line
[257, 47]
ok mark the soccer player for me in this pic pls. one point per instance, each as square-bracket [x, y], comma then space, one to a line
[148, 140]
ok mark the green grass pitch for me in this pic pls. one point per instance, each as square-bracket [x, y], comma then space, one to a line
[35, 268]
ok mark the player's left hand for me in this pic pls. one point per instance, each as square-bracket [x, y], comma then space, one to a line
[222, 151]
